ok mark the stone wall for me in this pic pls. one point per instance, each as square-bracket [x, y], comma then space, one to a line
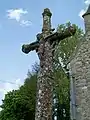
[80, 68]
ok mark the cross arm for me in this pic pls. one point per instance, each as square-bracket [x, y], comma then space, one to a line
[61, 35]
[30, 47]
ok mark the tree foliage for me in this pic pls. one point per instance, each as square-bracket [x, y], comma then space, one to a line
[20, 104]
[67, 46]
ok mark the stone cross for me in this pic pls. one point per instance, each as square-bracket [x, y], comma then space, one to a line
[44, 46]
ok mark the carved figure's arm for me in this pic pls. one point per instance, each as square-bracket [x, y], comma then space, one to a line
[30, 47]
[61, 35]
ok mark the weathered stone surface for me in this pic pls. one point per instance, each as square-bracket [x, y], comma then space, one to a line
[80, 67]
[45, 84]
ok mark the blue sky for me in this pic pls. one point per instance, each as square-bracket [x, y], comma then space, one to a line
[20, 21]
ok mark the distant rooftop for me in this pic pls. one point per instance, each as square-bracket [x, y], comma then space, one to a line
[87, 12]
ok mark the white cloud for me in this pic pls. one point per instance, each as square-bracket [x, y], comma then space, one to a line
[25, 23]
[17, 14]
[6, 86]
[86, 2]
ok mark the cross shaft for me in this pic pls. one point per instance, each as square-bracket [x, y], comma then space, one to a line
[43, 46]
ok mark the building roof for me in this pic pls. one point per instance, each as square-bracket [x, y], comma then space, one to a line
[87, 12]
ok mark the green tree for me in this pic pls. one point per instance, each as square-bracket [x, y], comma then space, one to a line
[66, 47]
[20, 104]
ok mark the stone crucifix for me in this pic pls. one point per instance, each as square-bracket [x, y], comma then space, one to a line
[44, 46]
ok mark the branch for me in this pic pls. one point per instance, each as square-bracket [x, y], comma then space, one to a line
[30, 47]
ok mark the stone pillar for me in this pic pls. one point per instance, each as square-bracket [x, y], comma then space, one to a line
[45, 82]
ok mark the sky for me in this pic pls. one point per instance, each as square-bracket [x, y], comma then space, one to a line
[20, 21]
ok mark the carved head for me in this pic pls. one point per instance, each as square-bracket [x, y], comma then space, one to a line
[47, 12]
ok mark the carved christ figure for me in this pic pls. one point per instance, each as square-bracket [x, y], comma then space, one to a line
[44, 46]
